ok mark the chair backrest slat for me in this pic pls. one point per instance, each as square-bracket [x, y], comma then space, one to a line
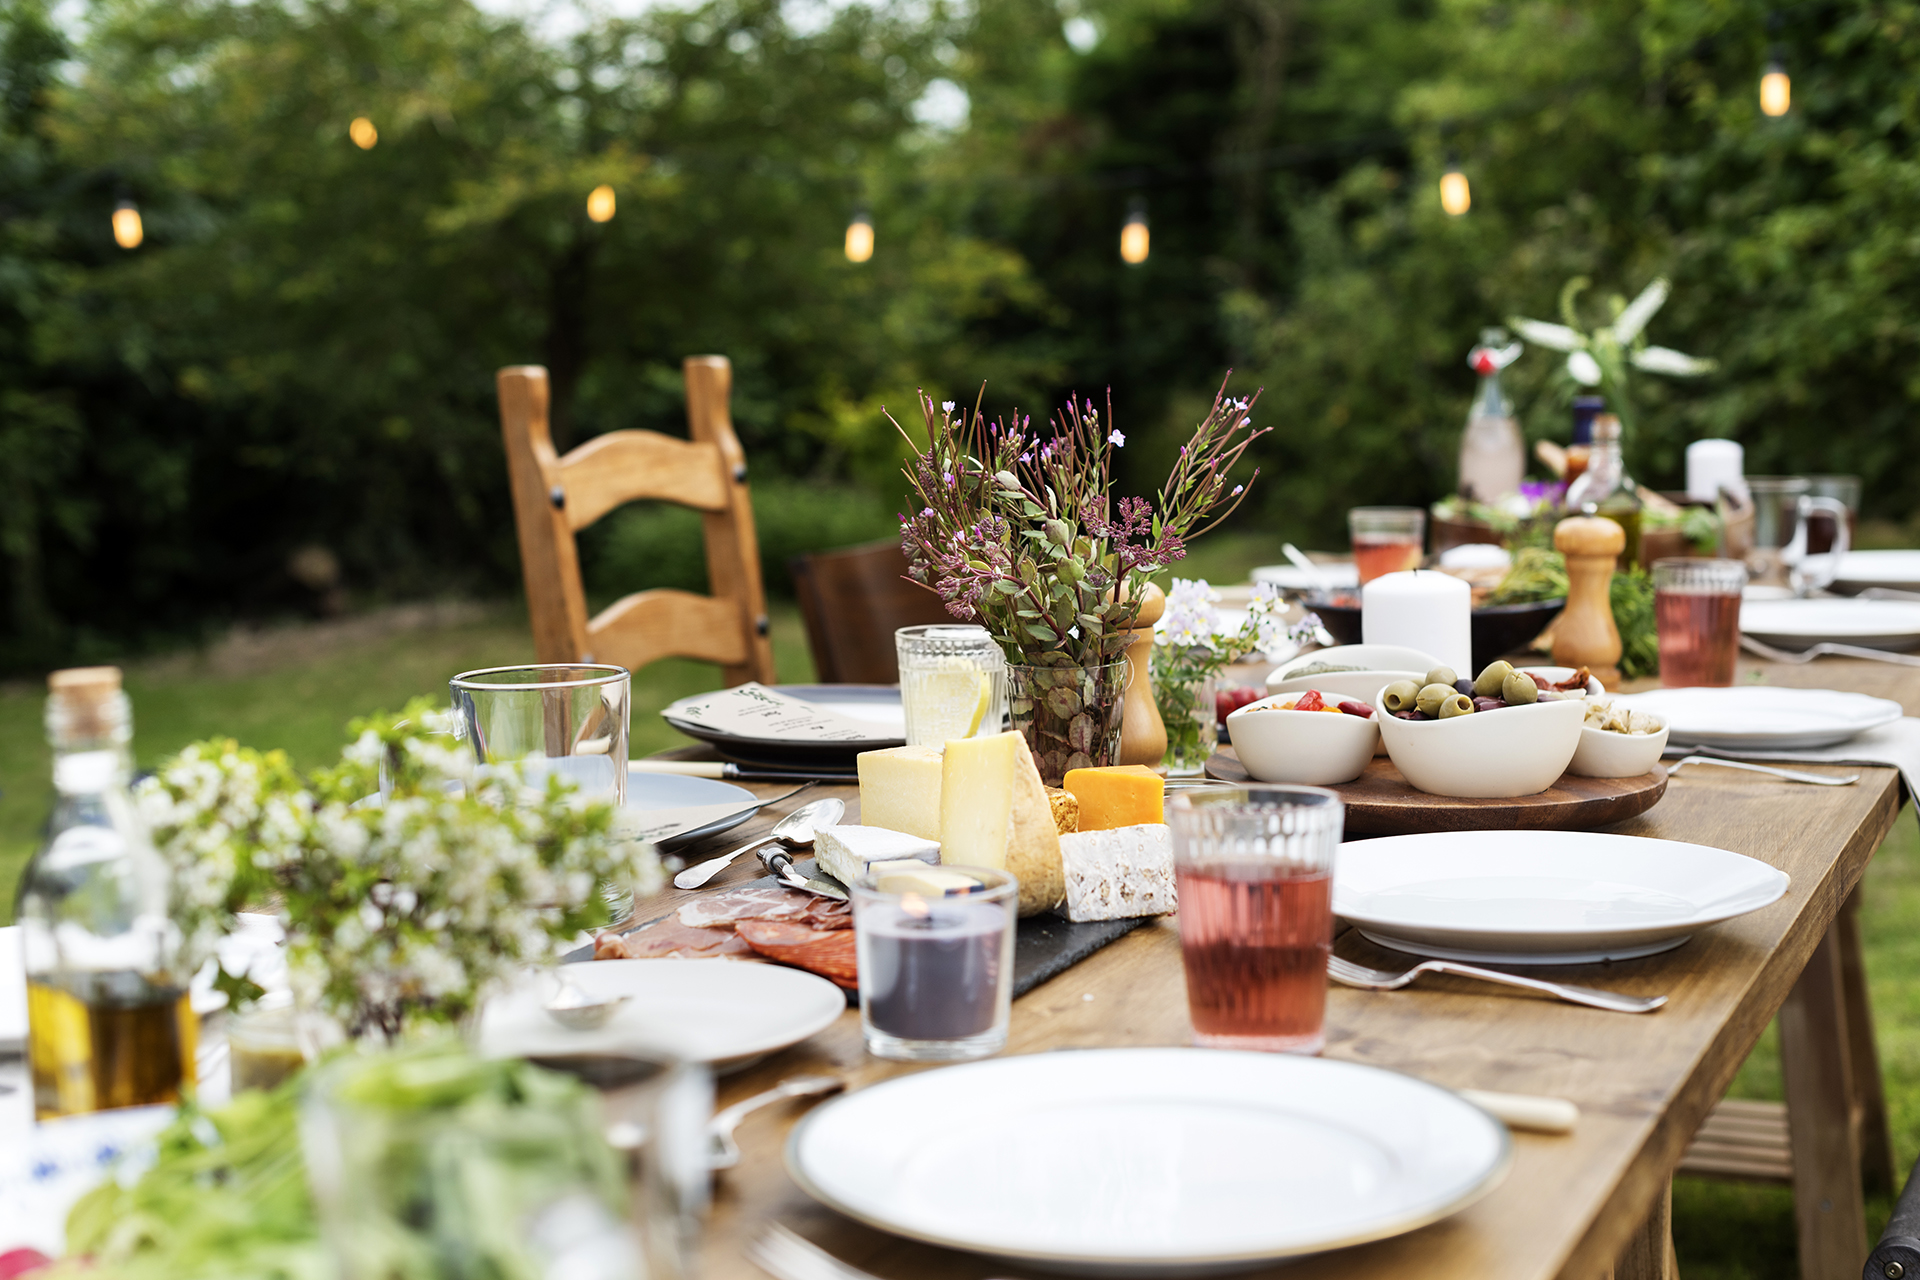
[853, 602]
[555, 496]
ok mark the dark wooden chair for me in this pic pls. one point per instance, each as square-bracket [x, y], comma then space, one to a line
[555, 497]
[853, 601]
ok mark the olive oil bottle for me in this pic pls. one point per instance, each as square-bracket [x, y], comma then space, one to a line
[108, 1023]
[1605, 488]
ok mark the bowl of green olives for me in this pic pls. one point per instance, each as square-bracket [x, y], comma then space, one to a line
[1329, 743]
[1501, 733]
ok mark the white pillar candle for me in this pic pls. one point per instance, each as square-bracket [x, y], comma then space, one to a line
[1421, 609]
[1713, 465]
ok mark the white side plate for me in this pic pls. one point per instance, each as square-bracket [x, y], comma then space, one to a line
[1800, 624]
[1543, 897]
[722, 1012]
[1763, 717]
[1157, 1162]
[1897, 569]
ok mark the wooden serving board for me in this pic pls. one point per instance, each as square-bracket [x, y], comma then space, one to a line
[1381, 802]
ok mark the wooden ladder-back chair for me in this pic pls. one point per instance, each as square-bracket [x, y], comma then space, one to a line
[853, 601]
[555, 497]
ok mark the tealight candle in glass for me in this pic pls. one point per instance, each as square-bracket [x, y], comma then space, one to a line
[935, 948]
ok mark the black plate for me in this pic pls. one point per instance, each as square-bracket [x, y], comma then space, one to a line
[779, 752]
[1498, 630]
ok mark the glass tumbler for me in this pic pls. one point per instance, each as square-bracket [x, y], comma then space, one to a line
[953, 682]
[1255, 872]
[1386, 539]
[564, 719]
[1696, 609]
[935, 949]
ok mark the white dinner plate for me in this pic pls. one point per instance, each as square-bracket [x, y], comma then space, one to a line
[1148, 1161]
[722, 1012]
[1763, 717]
[1542, 897]
[1800, 624]
[1341, 576]
[1897, 569]
[654, 791]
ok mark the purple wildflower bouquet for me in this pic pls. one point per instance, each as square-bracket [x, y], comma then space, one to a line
[1019, 530]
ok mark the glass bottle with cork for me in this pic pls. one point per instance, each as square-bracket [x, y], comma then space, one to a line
[1605, 489]
[108, 1020]
[1493, 457]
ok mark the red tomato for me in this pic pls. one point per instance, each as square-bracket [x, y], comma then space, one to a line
[1310, 701]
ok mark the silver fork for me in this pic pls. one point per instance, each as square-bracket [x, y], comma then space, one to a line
[1825, 647]
[723, 1151]
[1791, 775]
[1350, 974]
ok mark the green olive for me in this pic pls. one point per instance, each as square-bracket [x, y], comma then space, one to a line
[1458, 705]
[1489, 682]
[1399, 696]
[1433, 695]
[1440, 675]
[1519, 689]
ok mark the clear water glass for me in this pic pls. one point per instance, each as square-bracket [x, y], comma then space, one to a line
[559, 719]
[1255, 872]
[953, 682]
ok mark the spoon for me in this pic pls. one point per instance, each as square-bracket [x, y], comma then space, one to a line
[1308, 567]
[578, 1010]
[795, 831]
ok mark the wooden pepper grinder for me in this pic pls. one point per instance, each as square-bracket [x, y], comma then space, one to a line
[1585, 635]
[1143, 735]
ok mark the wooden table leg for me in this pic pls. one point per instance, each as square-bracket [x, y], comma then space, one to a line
[1649, 1255]
[1815, 1057]
[1877, 1173]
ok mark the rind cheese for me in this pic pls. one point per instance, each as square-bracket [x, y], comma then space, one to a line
[1119, 873]
[994, 813]
[846, 852]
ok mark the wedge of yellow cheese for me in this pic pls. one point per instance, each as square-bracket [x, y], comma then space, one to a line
[1121, 795]
[994, 813]
[900, 790]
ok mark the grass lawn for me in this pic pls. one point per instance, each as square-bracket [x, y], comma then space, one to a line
[297, 688]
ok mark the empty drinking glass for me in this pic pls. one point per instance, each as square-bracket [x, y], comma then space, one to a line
[568, 719]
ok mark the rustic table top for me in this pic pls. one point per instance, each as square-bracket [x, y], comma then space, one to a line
[1643, 1083]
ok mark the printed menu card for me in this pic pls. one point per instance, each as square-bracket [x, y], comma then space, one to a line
[754, 711]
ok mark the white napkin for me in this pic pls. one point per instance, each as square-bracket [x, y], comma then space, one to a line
[1896, 744]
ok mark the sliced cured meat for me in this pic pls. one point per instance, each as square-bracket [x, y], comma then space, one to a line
[764, 902]
[667, 938]
[827, 952]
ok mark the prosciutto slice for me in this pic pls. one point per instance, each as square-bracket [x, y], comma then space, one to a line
[728, 907]
[668, 939]
[827, 952]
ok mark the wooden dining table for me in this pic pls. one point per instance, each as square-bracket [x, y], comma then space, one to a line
[1592, 1203]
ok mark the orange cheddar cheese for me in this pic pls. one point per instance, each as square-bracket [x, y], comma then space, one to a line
[1121, 795]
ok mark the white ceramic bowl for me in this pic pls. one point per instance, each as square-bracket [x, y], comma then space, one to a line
[1604, 754]
[1311, 748]
[1515, 751]
[1367, 657]
[1364, 686]
[1554, 675]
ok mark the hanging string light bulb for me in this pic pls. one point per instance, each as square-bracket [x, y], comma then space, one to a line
[1456, 197]
[363, 133]
[127, 229]
[860, 237]
[1776, 88]
[1134, 240]
[600, 203]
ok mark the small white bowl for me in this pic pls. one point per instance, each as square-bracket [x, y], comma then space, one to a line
[1311, 748]
[1362, 686]
[1367, 657]
[1605, 754]
[1515, 751]
[1554, 675]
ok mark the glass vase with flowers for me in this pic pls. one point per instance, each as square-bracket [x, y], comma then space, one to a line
[1019, 529]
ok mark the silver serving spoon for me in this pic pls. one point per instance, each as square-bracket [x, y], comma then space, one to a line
[794, 831]
[577, 1009]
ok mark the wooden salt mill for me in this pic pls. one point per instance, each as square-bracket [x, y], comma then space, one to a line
[1585, 635]
[1143, 735]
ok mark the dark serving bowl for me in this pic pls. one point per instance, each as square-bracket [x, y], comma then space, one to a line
[1498, 630]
